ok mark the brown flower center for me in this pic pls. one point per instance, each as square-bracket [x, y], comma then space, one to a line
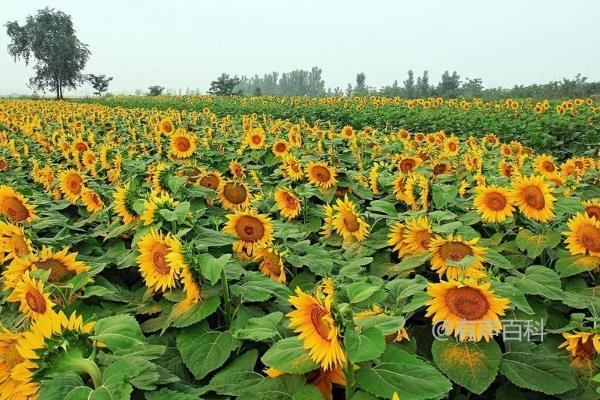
[249, 228]
[321, 174]
[74, 182]
[548, 166]
[235, 193]
[35, 301]
[316, 317]
[181, 143]
[495, 201]
[14, 209]
[534, 197]
[350, 222]
[593, 211]
[209, 181]
[468, 303]
[407, 164]
[159, 260]
[585, 350]
[256, 139]
[3, 165]
[439, 169]
[290, 201]
[272, 261]
[81, 147]
[423, 238]
[455, 251]
[589, 237]
[280, 147]
[452, 146]
[58, 271]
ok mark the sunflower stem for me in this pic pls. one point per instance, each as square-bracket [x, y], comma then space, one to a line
[226, 298]
[74, 361]
[349, 372]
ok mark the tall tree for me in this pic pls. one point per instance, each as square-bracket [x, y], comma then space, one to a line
[423, 89]
[49, 39]
[361, 85]
[224, 85]
[155, 90]
[99, 83]
[449, 84]
[409, 84]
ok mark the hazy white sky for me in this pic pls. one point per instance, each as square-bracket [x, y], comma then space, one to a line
[179, 44]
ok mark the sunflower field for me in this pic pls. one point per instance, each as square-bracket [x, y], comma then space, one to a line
[178, 253]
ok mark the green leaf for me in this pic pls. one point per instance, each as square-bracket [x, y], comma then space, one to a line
[497, 260]
[365, 345]
[472, 365]
[383, 207]
[387, 324]
[257, 287]
[236, 376]
[212, 267]
[402, 372]
[289, 355]
[411, 262]
[308, 392]
[360, 291]
[165, 393]
[534, 244]
[443, 194]
[197, 312]
[120, 332]
[546, 373]
[568, 205]
[569, 265]
[261, 328]
[280, 388]
[204, 351]
[59, 386]
[538, 280]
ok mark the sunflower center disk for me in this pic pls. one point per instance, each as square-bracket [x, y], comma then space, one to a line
[209, 181]
[14, 209]
[35, 301]
[548, 166]
[182, 144]
[235, 193]
[249, 229]
[159, 253]
[407, 165]
[272, 263]
[75, 184]
[589, 237]
[534, 197]
[351, 222]
[593, 211]
[58, 271]
[455, 251]
[423, 239]
[586, 350]
[321, 173]
[495, 201]
[316, 316]
[468, 303]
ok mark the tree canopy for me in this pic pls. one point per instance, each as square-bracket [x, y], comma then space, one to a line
[48, 39]
[99, 83]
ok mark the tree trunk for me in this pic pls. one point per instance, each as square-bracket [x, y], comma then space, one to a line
[57, 90]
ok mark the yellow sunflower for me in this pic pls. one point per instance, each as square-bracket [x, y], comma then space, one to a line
[14, 206]
[455, 249]
[123, 205]
[348, 222]
[71, 184]
[417, 235]
[62, 265]
[493, 203]
[183, 144]
[91, 200]
[287, 203]
[236, 169]
[158, 273]
[467, 310]
[396, 236]
[534, 198]
[416, 191]
[592, 208]
[322, 379]
[583, 345]
[251, 228]
[11, 388]
[293, 168]
[280, 148]
[583, 236]
[321, 175]
[544, 164]
[256, 138]
[451, 146]
[400, 187]
[271, 263]
[34, 302]
[13, 242]
[165, 126]
[347, 132]
[313, 320]
[211, 180]
[234, 195]
[155, 202]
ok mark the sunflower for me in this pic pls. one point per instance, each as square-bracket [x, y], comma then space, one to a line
[256, 138]
[583, 236]
[507, 169]
[467, 310]
[91, 200]
[159, 274]
[407, 164]
[320, 174]
[451, 146]
[165, 126]
[293, 169]
[493, 203]
[11, 388]
[34, 302]
[156, 201]
[347, 132]
[400, 187]
[313, 320]
[544, 164]
[234, 195]
[271, 263]
[347, 221]
[456, 249]
[396, 236]
[183, 144]
[71, 184]
[123, 204]
[287, 203]
[582, 345]
[251, 228]
[236, 169]
[416, 236]
[280, 148]
[13, 242]
[211, 180]
[534, 198]
[592, 208]
[62, 266]
[417, 191]
[14, 206]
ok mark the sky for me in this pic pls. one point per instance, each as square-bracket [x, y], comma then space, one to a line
[182, 44]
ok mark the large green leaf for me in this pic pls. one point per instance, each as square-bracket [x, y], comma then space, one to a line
[472, 365]
[212, 267]
[236, 376]
[289, 355]
[546, 373]
[569, 265]
[364, 345]
[534, 244]
[538, 280]
[203, 350]
[120, 332]
[260, 328]
[403, 373]
[280, 388]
